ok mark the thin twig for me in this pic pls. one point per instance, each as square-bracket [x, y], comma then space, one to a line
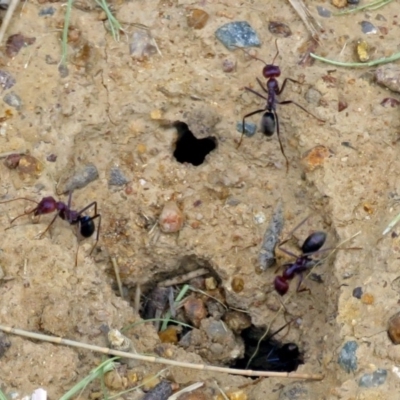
[309, 21]
[7, 18]
[117, 275]
[158, 360]
[178, 280]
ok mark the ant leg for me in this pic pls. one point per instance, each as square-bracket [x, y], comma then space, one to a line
[298, 105]
[284, 84]
[256, 93]
[280, 141]
[93, 204]
[98, 232]
[244, 118]
[290, 236]
[48, 226]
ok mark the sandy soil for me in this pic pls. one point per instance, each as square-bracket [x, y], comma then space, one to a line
[108, 110]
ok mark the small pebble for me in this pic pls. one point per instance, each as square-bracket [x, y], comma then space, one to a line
[160, 392]
[237, 284]
[368, 28]
[279, 29]
[171, 218]
[47, 11]
[13, 100]
[362, 50]
[81, 178]
[197, 18]
[342, 105]
[357, 292]
[250, 128]
[195, 310]
[380, 17]
[142, 45]
[339, 3]
[390, 102]
[375, 379]
[7, 81]
[51, 158]
[313, 96]
[294, 391]
[323, 12]
[389, 76]
[63, 70]
[394, 328]
[353, 2]
[5, 344]
[237, 321]
[259, 218]
[12, 161]
[315, 157]
[367, 298]
[16, 42]
[29, 168]
[347, 357]
[117, 177]
[228, 65]
[266, 256]
[237, 34]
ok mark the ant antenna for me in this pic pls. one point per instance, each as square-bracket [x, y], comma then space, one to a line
[277, 51]
[250, 55]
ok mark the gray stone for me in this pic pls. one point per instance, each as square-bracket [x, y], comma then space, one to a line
[117, 177]
[375, 379]
[250, 128]
[13, 100]
[237, 34]
[81, 178]
[347, 357]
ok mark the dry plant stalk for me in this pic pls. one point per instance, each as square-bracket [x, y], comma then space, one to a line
[310, 22]
[7, 18]
[158, 360]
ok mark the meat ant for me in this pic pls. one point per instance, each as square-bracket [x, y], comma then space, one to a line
[270, 120]
[304, 262]
[48, 205]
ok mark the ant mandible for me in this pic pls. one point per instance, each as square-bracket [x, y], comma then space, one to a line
[48, 205]
[270, 120]
[304, 262]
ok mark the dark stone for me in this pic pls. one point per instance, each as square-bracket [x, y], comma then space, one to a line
[117, 177]
[357, 292]
[347, 357]
[375, 379]
[237, 34]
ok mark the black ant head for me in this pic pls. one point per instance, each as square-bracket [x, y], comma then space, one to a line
[271, 71]
[314, 242]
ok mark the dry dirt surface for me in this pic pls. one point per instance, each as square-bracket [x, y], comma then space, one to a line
[110, 111]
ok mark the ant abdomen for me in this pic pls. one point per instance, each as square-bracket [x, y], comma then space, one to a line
[314, 242]
[268, 123]
[87, 226]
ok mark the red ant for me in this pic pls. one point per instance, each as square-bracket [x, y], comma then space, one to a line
[304, 262]
[48, 205]
[270, 120]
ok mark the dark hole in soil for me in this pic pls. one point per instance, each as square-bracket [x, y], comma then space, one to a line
[190, 149]
[272, 355]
